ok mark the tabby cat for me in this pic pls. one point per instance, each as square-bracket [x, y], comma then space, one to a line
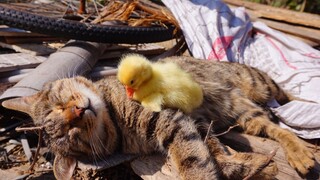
[85, 120]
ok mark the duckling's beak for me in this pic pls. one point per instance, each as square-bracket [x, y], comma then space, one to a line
[129, 92]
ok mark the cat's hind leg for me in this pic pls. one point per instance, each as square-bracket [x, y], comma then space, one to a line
[253, 120]
[234, 165]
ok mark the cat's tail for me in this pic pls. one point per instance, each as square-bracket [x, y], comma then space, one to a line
[284, 97]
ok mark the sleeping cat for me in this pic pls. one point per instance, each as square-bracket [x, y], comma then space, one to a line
[90, 120]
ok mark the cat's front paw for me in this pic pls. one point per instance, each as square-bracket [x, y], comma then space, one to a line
[300, 157]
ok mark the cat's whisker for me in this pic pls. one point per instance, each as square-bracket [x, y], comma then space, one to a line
[103, 149]
[58, 76]
[93, 153]
[76, 85]
[97, 144]
[69, 75]
[98, 152]
[70, 71]
[101, 143]
[73, 71]
[83, 70]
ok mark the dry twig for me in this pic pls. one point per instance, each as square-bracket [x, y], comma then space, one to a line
[228, 130]
[135, 13]
[35, 158]
[19, 129]
[208, 132]
[220, 134]
[39, 129]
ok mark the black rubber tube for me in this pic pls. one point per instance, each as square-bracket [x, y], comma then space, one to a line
[83, 31]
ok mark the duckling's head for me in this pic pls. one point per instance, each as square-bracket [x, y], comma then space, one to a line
[134, 70]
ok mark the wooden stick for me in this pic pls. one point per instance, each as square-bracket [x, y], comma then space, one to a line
[228, 130]
[19, 129]
[208, 132]
[220, 134]
[82, 7]
[35, 158]
[39, 129]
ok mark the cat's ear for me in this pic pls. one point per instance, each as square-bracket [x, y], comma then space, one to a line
[63, 167]
[22, 104]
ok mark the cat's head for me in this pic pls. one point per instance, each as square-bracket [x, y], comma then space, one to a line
[73, 114]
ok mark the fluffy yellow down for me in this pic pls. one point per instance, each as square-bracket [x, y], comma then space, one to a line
[159, 84]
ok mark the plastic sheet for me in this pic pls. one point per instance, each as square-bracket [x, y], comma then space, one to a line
[213, 31]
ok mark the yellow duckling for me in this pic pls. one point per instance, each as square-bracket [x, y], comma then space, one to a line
[158, 84]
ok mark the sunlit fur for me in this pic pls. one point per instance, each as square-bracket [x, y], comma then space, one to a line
[159, 84]
[234, 93]
[113, 123]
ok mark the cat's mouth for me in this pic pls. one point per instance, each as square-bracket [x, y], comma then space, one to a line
[91, 110]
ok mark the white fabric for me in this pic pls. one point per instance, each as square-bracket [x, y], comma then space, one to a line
[215, 32]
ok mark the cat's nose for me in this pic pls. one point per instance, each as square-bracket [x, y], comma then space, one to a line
[78, 111]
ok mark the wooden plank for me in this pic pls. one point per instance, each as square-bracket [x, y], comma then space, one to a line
[260, 10]
[309, 34]
[9, 62]
[307, 41]
[26, 147]
[33, 49]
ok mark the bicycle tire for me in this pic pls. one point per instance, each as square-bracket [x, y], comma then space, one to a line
[83, 31]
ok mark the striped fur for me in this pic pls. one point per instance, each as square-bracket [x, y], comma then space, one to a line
[86, 120]
[233, 94]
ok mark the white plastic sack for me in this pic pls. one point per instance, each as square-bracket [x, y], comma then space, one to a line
[215, 32]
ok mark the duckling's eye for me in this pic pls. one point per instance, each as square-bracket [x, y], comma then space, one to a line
[131, 82]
